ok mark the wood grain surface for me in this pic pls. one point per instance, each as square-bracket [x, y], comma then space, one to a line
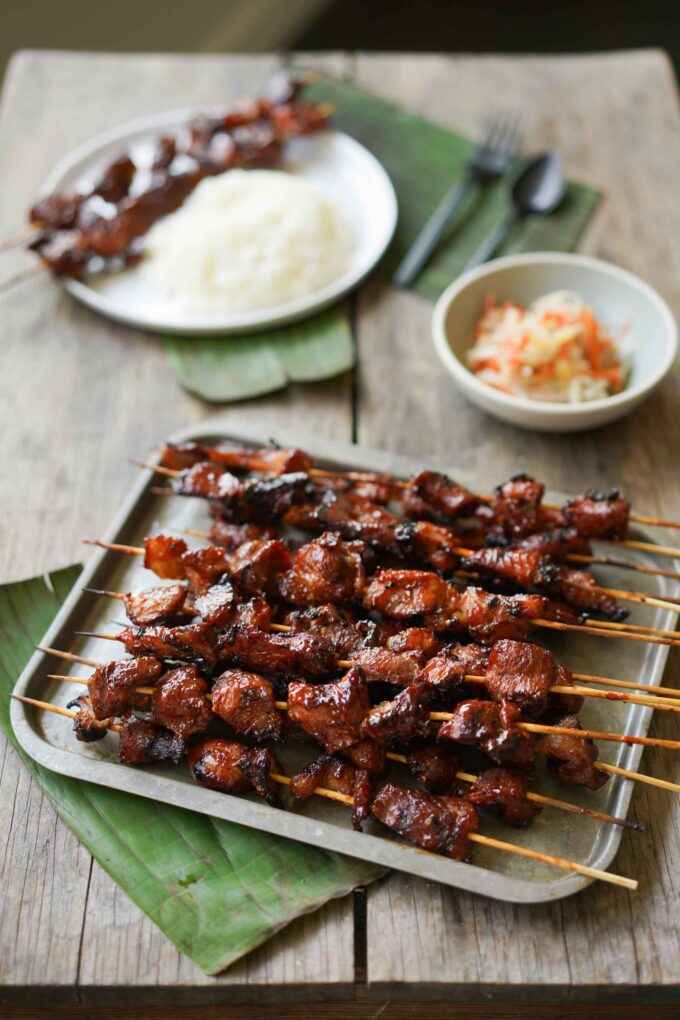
[81, 395]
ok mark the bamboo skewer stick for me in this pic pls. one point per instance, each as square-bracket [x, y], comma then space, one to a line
[616, 770]
[658, 550]
[614, 561]
[597, 632]
[23, 235]
[497, 844]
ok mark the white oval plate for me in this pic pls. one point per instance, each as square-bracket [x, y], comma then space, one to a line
[347, 173]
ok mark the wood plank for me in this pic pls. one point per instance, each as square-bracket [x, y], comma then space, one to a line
[83, 395]
[618, 129]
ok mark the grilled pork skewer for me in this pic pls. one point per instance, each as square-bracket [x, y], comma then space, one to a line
[160, 605]
[600, 766]
[440, 829]
[371, 661]
[596, 514]
[531, 565]
[419, 761]
[170, 558]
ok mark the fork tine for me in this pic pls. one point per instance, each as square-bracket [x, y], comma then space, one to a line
[512, 136]
[494, 131]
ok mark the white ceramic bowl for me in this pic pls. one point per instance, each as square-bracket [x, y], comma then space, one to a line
[617, 297]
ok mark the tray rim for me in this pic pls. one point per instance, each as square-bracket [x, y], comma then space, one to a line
[374, 849]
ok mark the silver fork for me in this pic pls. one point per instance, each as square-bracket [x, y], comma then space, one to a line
[489, 160]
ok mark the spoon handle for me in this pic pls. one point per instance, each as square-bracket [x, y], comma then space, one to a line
[490, 243]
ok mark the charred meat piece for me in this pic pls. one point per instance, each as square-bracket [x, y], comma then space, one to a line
[269, 498]
[564, 704]
[325, 771]
[368, 756]
[163, 555]
[443, 676]
[208, 481]
[179, 702]
[204, 566]
[155, 605]
[197, 643]
[493, 727]
[256, 614]
[363, 796]
[572, 757]
[430, 544]
[355, 518]
[274, 459]
[415, 639]
[522, 673]
[256, 566]
[438, 824]
[164, 152]
[598, 515]
[135, 215]
[333, 623]
[378, 664]
[114, 184]
[558, 543]
[474, 657]
[230, 536]
[488, 617]
[303, 517]
[231, 767]
[516, 505]
[580, 589]
[401, 720]
[180, 456]
[325, 570]
[142, 742]
[217, 606]
[86, 726]
[528, 568]
[278, 655]
[505, 792]
[435, 767]
[65, 252]
[112, 685]
[405, 593]
[331, 713]
[246, 702]
[434, 496]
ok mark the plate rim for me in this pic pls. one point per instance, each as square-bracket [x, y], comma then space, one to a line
[253, 322]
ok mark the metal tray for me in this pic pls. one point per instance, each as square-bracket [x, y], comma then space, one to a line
[48, 738]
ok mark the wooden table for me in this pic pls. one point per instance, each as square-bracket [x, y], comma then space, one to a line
[81, 395]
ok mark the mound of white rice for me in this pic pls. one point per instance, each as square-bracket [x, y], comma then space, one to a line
[246, 240]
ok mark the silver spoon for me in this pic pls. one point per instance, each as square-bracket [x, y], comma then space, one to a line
[539, 188]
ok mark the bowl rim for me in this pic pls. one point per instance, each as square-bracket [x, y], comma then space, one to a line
[551, 407]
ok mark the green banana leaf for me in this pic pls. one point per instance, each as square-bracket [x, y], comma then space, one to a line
[215, 889]
[220, 369]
